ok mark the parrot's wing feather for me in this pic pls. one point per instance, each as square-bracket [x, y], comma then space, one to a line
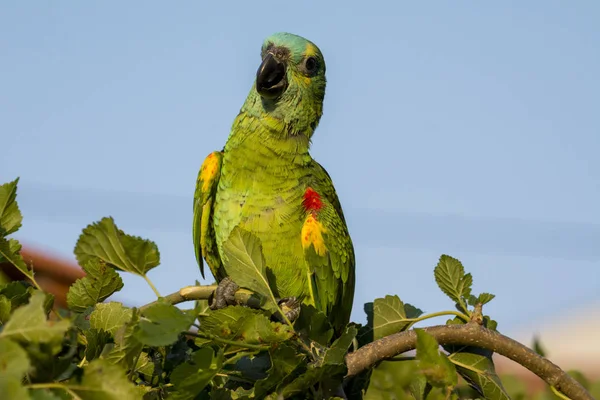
[204, 197]
[328, 249]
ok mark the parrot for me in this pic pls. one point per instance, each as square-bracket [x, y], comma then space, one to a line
[265, 182]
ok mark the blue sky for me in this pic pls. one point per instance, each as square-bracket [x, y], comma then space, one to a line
[470, 129]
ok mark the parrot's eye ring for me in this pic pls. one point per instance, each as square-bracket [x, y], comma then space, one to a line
[311, 64]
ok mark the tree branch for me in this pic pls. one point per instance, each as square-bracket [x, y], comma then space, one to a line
[191, 293]
[467, 335]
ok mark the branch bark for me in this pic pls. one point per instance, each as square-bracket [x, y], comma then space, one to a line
[191, 293]
[468, 335]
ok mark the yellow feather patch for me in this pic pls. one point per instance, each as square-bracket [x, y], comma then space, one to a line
[208, 170]
[310, 50]
[312, 233]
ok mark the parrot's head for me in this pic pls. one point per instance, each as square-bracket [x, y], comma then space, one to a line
[290, 82]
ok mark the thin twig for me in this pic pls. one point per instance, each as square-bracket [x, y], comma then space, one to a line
[468, 335]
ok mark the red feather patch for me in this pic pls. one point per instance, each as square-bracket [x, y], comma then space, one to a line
[311, 200]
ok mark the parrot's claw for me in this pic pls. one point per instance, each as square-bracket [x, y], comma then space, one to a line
[290, 307]
[224, 295]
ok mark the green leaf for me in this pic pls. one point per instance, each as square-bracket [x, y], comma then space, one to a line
[14, 364]
[105, 381]
[110, 316]
[100, 282]
[243, 252]
[17, 292]
[96, 340]
[337, 352]
[190, 378]
[105, 241]
[392, 380]
[12, 389]
[43, 394]
[284, 361]
[436, 367]
[28, 323]
[144, 365]
[477, 368]
[313, 325]
[387, 316]
[5, 308]
[485, 298]
[10, 216]
[13, 359]
[329, 371]
[162, 323]
[452, 280]
[127, 347]
[244, 324]
[10, 250]
[482, 299]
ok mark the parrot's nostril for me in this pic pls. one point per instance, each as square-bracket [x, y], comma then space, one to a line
[270, 77]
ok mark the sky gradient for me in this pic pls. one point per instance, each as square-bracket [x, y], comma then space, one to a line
[470, 129]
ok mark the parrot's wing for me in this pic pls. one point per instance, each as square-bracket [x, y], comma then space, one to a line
[204, 198]
[328, 250]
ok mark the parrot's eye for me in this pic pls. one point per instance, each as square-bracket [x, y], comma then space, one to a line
[311, 64]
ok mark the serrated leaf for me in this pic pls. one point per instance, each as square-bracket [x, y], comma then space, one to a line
[28, 323]
[485, 298]
[5, 308]
[247, 268]
[477, 368]
[452, 280]
[313, 325]
[284, 361]
[105, 381]
[110, 316]
[100, 282]
[10, 251]
[436, 367]
[192, 377]
[161, 325]
[128, 253]
[10, 216]
[482, 299]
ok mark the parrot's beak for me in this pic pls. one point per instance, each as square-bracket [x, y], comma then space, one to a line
[271, 79]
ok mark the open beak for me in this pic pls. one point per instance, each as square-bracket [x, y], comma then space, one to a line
[271, 77]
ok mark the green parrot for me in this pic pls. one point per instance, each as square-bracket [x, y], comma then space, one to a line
[264, 181]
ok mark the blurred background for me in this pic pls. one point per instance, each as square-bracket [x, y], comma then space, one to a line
[470, 129]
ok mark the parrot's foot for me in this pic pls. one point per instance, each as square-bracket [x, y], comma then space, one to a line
[224, 295]
[290, 307]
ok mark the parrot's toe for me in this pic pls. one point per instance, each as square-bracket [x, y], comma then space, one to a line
[225, 294]
[290, 307]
